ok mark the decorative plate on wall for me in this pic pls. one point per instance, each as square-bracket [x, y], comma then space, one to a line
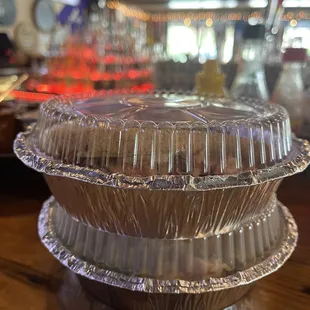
[7, 12]
[73, 16]
[45, 17]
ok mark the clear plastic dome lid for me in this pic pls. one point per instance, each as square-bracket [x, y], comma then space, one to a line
[148, 135]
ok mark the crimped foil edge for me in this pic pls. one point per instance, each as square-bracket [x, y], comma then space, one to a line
[148, 285]
[152, 257]
[79, 291]
[300, 149]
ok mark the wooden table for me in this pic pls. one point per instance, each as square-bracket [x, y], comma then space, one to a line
[31, 279]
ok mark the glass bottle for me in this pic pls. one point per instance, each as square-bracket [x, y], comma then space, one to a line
[289, 90]
[250, 80]
[210, 81]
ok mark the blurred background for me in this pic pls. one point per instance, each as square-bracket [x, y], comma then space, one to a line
[252, 48]
[78, 45]
[241, 47]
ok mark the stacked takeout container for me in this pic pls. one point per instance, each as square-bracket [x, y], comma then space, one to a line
[165, 201]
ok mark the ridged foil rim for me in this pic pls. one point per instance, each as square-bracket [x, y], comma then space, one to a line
[87, 242]
[148, 285]
[299, 162]
[74, 292]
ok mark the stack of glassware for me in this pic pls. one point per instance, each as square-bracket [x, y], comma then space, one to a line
[96, 58]
[164, 201]
[250, 80]
[290, 90]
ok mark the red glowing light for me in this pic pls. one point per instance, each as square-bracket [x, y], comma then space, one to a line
[143, 87]
[43, 88]
[60, 74]
[117, 76]
[95, 76]
[30, 96]
[132, 74]
[87, 53]
[106, 76]
[77, 74]
[109, 59]
[59, 88]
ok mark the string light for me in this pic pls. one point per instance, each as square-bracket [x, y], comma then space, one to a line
[293, 23]
[290, 15]
[31, 96]
[187, 21]
[195, 16]
[209, 22]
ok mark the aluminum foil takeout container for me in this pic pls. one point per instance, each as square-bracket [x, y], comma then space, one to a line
[121, 299]
[78, 293]
[162, 166]
[130, 291]
[169, 259]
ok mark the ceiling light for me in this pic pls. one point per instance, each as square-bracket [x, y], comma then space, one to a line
[296, 3]
[101, 4]
[293, 23]
[209, 22]
[258, 4]
[184, 5]
[187, 22]
[208, 5]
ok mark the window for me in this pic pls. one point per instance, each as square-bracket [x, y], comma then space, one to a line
[298, 36]
[182, 40]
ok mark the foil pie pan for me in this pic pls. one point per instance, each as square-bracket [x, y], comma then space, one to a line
[162, 166]
[122, 299]
[161, 206]
[296, 161]
[91, 271]
[79, 293]
[168, 259]
[164, 214]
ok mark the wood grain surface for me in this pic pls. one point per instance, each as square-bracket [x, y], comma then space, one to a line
[31, 279]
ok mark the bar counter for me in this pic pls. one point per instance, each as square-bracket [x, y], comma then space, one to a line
[31, 279]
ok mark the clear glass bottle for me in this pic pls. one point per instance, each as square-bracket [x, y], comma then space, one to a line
[289, 90]
[250, 80]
